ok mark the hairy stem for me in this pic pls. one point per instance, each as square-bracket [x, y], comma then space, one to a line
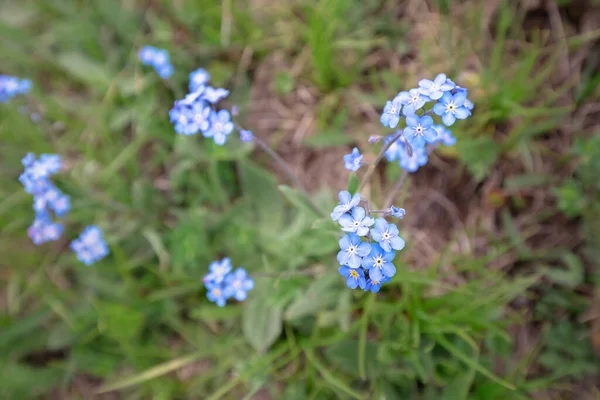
[394, 191]
[372, 167]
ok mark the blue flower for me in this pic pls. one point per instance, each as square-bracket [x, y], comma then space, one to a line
[374, 285]
[246, 136]
[352, 161]
[218, 270]
[43, 230]
[33, 185]
[158, 59]
[379, 263]
[356, 222]
[412, 162]
[216, 293]
[200, 115]
[213, 95]
[238, 284]
[397, 212]
[444, 135]
[352, 250]
[198, 78]
[28, 160]
[419, 130]
[436, 88]
[347, 203]
[90, 246]
[355, 277]
[452, 107]
[391, 113]
[220, 127]
[393, 151]
[412, 100]
[183, 119]
[11, 86]
[387, 235]
[165, 71]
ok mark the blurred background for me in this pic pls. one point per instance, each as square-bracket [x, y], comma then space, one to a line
[496, 295]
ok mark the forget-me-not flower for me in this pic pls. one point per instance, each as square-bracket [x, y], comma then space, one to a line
[379, 263]
[352, 250]
[216, 293]
[214, 95]
[444, 135]
[246, 136]
[352, 161]
[391, 113]
[452, 107]
[90, 246]
[356, 222]
[347, 203]
[355, 277]
[199, 77]
[375, 285]
[220, 127]
[411, 162]
[43, 230]
[419, 130]
[183, 119]
[412, 101]
[218, 270]
[237, 284]
[397, 212]
[387, 235]
[436, 88]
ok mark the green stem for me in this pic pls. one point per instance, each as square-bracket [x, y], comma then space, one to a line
[390, 197]
[362, 341]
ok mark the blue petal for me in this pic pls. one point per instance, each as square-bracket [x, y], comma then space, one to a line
[426, 121]
[439, 109]
[462, 113]
[344, 196]
[375, 274]
[397, 243]
[343, 257]
[448, 119]
[388, 270]
[351, 283]
[363, 249]
[345, 242]
[344, 271]
[430, 135]
[412, 121]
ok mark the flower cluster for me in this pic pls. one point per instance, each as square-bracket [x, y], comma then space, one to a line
[197, 111]
[222, 283]
[158, 59]
[90, 246]
[47, 198]
[364, 264]
[410, 145]
[11, 86]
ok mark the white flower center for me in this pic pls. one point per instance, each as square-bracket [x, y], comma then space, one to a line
[217, 126]
[392, 110]
[379, 261]
[435, 87]
[419, 129]
[451, 107]
[356, 223]
[351, 249]
[386, 235]
[237, 284]
[182, 119]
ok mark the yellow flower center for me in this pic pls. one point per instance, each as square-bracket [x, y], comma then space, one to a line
[216, 292]
[354, 274]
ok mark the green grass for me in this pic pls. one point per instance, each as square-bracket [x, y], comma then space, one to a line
[138, 322]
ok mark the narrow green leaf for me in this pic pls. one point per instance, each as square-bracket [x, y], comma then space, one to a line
[262, 321]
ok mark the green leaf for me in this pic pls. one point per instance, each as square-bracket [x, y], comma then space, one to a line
[119, 322]
[299, 200]
[262, 321]
[345, 356]
[572, 276]
[478, 154]
[85, 69]
[319, 296]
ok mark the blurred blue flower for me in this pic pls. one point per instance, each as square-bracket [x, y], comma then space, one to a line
[214, 95]
[411, 162]
[352, 250]
[218, 270]
[90, 246]
[352, 161]
[43, 230]
[158, 59]
[387, 235]
[419, 130]
[356, 222]
[216, 293]
[452, 107]
[347, 203]
[33, 185]
[246, 136]
[412, 101]
[28, 160]
[165, 71]
[11, 86]
[391, 113]
[220, 127]
[436, 88]
[444, 135]
[397, 212]
[237, 284]
[393, 151]
[198, 78]
[355, 277]
[379, 263]
[183, 119]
